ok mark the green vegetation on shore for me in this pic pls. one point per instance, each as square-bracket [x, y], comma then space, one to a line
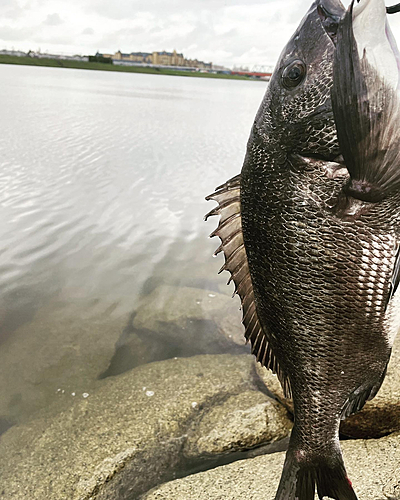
[61, 63]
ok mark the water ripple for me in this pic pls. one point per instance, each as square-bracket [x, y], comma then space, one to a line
[102, 183]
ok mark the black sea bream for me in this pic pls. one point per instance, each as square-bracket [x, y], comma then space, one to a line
[310, 231]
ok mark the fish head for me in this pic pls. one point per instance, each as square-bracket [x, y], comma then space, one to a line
[296, 113]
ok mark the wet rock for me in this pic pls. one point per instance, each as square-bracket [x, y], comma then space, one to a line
[129, 434]
[271, 382]
[240, 423]
[378, 418]
[55, 355]
[133, 350]
[194, 320]
[372, 466]
[178, 322]
[5, 424]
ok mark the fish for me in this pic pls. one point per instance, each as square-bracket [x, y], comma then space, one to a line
[310, 231]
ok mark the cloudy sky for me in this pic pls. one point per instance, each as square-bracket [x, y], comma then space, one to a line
[229, 32]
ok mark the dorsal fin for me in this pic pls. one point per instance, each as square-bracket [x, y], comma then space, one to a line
[229, 230]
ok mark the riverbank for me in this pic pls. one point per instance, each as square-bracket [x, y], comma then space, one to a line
[63, 63]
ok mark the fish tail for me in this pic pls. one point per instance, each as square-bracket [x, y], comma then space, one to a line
[300, 478]
[288, 482]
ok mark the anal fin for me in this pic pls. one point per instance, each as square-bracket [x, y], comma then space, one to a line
[358, 399]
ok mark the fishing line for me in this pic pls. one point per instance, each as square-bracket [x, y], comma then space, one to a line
[393, 9]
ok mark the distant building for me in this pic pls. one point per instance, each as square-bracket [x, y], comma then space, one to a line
[44, 55]
[140, 57]
[168, 59]
[194, 63]
[216, 67]
[17, 53]
[159, 59]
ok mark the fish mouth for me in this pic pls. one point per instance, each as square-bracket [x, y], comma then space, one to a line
[375, 40]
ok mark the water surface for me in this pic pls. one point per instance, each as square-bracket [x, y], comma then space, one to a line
[102, 183]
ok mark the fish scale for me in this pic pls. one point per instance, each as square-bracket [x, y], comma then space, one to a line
[310, 232]
[301, 251]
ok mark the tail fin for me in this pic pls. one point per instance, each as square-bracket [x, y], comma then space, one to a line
[299, 480]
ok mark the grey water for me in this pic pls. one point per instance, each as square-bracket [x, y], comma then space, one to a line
[102, 183]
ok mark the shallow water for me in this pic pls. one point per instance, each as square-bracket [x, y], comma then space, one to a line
[102, 183]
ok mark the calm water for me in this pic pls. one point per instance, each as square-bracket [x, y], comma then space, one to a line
[102, 185]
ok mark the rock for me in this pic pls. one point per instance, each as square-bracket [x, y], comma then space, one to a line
[271, 382]
[128, 435]
[52, 356]
[179, 322]
[378, 418]
[372, 465]
[240, 423]
[194, 320]
[132, 350]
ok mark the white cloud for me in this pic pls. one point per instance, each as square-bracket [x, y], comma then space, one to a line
[227, 32]
[88, 31]
[53, 20]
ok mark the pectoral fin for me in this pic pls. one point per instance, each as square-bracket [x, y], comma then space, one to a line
[395, 281]
[367, 112]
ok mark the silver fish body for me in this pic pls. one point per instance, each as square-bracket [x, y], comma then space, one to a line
[314, 259]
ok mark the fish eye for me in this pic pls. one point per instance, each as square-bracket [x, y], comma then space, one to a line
[294, 74]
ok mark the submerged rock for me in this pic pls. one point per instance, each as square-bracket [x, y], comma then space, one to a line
[191, 318]
[132, 432]
[178, 322]
[54, 358]
[61, 353]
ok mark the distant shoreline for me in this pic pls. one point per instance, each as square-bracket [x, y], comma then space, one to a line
[65, 63]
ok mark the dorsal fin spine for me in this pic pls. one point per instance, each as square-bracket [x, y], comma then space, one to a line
[229, 231]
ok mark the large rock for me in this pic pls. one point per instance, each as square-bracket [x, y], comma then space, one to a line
[378, 418]
[373, 467]
[185, 314]
[131, 433]
[242, 422]
[179, 322]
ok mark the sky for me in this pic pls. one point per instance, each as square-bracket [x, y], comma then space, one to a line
[228, 32]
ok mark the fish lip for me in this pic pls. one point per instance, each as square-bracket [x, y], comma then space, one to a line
[330, 13]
